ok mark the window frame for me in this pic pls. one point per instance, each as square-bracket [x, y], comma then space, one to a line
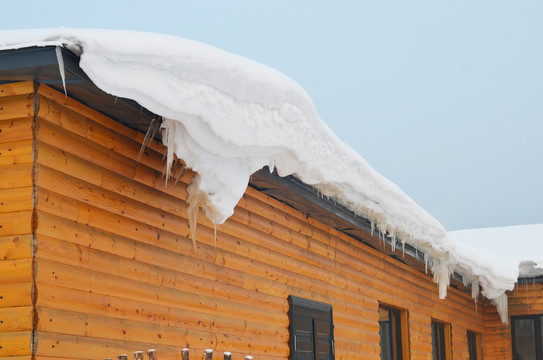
[538, 333]
[319, 314]
[474, 338]
[397, 316]
[445, 340]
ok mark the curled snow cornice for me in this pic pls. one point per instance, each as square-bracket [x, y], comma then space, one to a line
[227, 116]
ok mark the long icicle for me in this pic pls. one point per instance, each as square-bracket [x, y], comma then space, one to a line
[60, 60]
[150, 131]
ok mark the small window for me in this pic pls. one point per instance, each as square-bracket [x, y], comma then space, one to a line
[311, 330]
[527, 332]
[393, 333]
[441, 340]
[474, 346]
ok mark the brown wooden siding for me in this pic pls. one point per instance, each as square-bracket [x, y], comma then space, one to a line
[525, 299]
[116, 270]
[16, 259]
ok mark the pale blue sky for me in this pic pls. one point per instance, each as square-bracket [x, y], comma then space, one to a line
[443, 98]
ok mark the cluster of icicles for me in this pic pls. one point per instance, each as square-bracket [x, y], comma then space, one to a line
[440, 265]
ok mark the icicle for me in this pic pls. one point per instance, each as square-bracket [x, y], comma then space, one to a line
[426, 264]
[150, 130]
[403, 248]
[168, 138]
[115, 101]
[194, 200]
[501, 305]
[372, 227]
[181, 172]
[442, 276]
[475, 289]
[60, 61]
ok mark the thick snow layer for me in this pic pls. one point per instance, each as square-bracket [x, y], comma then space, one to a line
[510, 251]
[227, 116]
[497, 257]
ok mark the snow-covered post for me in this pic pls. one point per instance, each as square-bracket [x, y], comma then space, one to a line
[248, 357]
[151, 353]
[138, 355]
[209, 354]
[122, 357]
[227, 355]
[185, 354]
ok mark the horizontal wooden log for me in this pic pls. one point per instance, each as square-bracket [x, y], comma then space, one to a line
[85, 280]
[161, 249]
[16, 319]
[97, 133]
[16, 88]
[86, 149]
[98, 117]
[85, 195]
[144, 264]
[80, 190]
[15, 176]
[17, 199]
[66, 299]
[57, 159]
[15, 343]
[15, 107]
[15, 152]
[144, 190]
[81, 324]
[15, 294]
[13, 271]
[65, 346]
[28, 357]
[113, 225]
[15, 223]
[15, 247]
[280, 213]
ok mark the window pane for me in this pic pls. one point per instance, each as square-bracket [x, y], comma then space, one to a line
[397, 336]
[438, 341]
[524, 339]
[472, 345]
[541, 332]
[434, 341]
[385, 334]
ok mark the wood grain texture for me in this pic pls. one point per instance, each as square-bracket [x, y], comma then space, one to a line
[16, 214]
[116, 267]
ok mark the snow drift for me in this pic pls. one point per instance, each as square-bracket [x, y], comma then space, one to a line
[227, 116]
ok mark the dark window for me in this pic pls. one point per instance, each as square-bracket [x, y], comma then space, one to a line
[527, 337]
[474, 345]
[390, 333]
[311, 330]
[441, 341]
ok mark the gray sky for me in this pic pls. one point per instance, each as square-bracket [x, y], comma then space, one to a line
[443, 98]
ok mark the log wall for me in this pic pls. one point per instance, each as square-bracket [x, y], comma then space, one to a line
[525, 299]
[16, 240]
[116, 270]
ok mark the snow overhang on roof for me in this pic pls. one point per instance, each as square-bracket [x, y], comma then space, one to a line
[228, 117]
[40, 65]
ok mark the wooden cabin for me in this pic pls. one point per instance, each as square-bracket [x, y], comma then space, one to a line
[96, 256]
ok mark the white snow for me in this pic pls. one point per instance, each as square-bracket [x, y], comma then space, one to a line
[227, 116]
[510, 251]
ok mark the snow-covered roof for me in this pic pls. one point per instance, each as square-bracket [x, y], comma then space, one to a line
[511, 251]
[227, 116]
